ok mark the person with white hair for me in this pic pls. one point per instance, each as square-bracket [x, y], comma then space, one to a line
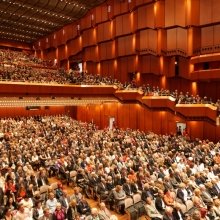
[113, 217]
[104, 212]
[94, 215]
[168, 214]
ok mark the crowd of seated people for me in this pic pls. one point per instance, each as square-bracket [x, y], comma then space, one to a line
[176, 178]
[30, 74]
[22, 58]
[13, 67]
[180, 97]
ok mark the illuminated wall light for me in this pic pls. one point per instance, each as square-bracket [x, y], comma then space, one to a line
[194, 88]
[163, 81]
[109, 8]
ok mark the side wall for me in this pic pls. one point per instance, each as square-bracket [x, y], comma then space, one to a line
[135, 116]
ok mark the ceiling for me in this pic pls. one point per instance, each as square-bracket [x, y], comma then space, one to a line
[29, 20]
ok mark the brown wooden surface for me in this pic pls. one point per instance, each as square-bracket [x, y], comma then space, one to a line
[92, 202]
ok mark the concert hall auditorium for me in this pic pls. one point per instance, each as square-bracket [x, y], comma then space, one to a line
[109, 109]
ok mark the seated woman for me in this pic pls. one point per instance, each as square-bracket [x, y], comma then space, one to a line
[119, 197]
[168, 198]
[59, 213]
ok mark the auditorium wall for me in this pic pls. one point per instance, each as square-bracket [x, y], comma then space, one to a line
[145, 36]
[136, 116]
[43, 110]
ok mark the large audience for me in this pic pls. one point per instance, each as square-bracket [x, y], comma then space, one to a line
[175, 177]
[24, 67]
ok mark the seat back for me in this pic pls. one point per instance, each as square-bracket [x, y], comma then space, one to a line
[189, 204]
[128, 202]
[54, 186]
[136, 198]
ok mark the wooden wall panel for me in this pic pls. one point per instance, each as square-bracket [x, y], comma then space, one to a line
[136, 116]
[159, 14]
[60, 35]
[127, 23]
[119, 26]
[107, 68]
[21, 111]
[180, 13]
[182, 39]
[105, 31]
[70, 31]
[192, 12]
[175, 13]
[207, 36]
[143, 39]
[120, 7]
[51, 54]
[171, 39]
[184, 67]
[86, 22]
[91, 54]
[215, 11]
[125, 65]
[130, 44]
[154, 65]
[126, 45]
[196, 40]
[121, 46]
[149, 64]
[141, 17]
[101, 13]
[74, 46]
[145, 16]
[150, 16]
[89, 37]
[169, 13]
[145, 64]
[216, 34]
[116, 8]
[152, 40]
[196, 129]
[61, 52]
[205, 12]
[91, 67]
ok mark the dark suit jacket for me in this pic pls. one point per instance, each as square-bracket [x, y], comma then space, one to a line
[101, 188]
[40, 181]
[176, 216]
[70, 212]
[180, 195]
[166, 217]
[146, 193]
[83, 208]
[159, 204]
[128, 189]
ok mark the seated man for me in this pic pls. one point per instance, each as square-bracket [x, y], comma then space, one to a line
[94, 215]
[83, 207]
[151, 210]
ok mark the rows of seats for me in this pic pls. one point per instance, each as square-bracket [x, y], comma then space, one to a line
[158, 176]
[18, 66]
